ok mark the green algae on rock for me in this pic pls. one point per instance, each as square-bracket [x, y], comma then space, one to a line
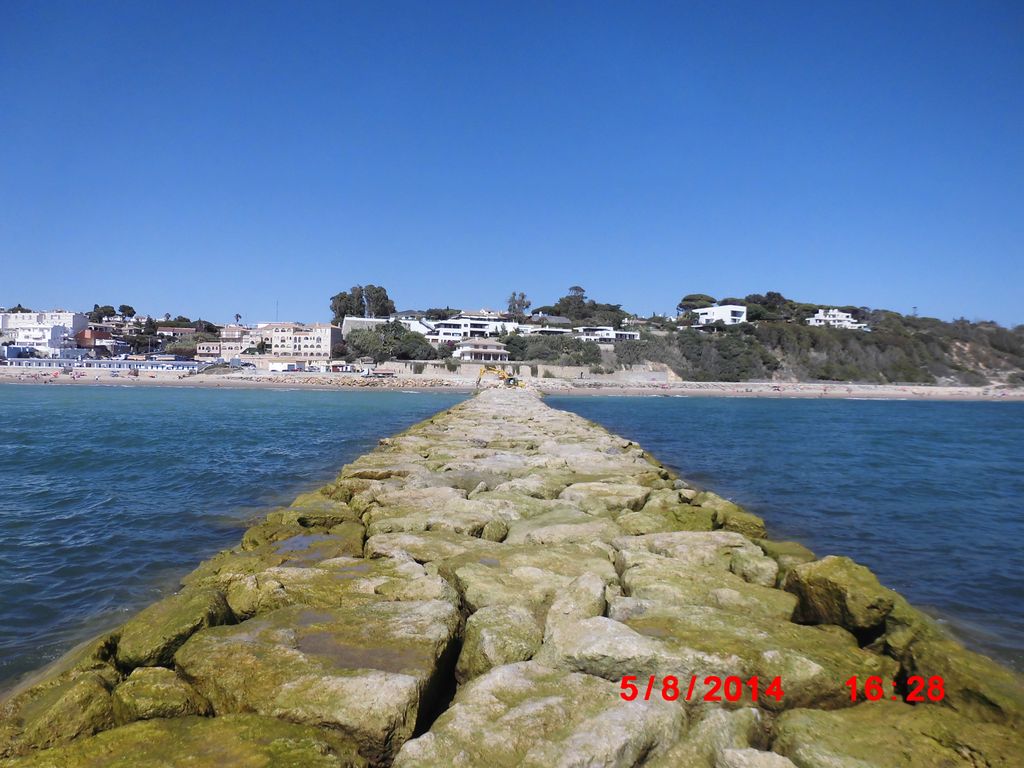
[472, 592]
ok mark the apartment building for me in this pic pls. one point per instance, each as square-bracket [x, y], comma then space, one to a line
[46, 332]
[299, 341]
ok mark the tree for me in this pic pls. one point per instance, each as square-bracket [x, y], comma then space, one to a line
[149, 328]
[126, 310]
[98, 313]
[348, 303]
[167, 316]
[378, 304]
[693, 301]
[517, 306]
[238, 318]
[436, 313]
[19, 308]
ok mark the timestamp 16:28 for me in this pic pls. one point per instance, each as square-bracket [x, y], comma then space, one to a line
[918, 689]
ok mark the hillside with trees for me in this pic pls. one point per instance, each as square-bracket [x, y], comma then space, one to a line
[776, 343]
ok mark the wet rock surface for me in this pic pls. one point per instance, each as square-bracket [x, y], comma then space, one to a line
[472, 593]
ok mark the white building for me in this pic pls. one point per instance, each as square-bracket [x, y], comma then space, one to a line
[46, 332]
[730, 314]
[481, 350]
[836, 319]
[543, 330]
[604, 334]
[466, 326]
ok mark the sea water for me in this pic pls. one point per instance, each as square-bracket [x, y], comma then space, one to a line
[108, 495]
[929, 495]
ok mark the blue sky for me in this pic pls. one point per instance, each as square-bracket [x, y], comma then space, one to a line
[213, 158]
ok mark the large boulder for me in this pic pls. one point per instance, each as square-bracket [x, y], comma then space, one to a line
[531, 716]
[73, 705]
[368, 668]
[602, 498]
[497, 635]
[788, 554]
[888, 733]
[836, 590]
[717, 731]
[524, 575]
[151, 692]
[151, 638]
[245, 741]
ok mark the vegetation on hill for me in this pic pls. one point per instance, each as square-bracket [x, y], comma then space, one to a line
[583, 311]
[561, 350]
[779, 344]
[388, 341]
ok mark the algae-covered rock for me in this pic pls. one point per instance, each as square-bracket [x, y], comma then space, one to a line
[751, 758]
[525, 575]
[888, 733]
[361, 668]
[836, 590]
[242, 741]
[600, 498]
[535, 717]
[152, 637]
[497, 635]
[151, 692]
[562, 525]
[425, 546]
[75, 704]
[788, 554]
[717, 730]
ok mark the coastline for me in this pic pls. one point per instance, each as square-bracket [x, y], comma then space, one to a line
[586, 387]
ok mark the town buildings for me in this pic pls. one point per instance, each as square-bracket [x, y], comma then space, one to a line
[835, 318]
[46, 332]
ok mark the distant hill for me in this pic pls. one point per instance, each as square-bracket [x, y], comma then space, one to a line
[899, 348]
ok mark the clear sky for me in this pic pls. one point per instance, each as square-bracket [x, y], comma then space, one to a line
[209, 158]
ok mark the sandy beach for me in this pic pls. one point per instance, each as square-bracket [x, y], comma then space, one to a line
[298, 380]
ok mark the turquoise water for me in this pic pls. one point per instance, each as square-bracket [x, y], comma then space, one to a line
[108, 495]
[929, 495]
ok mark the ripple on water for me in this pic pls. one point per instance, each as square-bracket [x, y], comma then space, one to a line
[112, 494]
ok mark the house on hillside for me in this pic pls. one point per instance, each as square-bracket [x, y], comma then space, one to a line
[730, 314]
[834, 318]
[481, 350]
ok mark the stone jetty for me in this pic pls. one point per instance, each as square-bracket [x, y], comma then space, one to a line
[474, 591]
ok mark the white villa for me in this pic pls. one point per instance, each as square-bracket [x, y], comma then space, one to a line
[465, 326]
[730, 314]
[46, 332]
[481, 350]
[604, 334]
[836, 319]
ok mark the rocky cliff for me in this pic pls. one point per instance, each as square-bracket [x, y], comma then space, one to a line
[473, 593]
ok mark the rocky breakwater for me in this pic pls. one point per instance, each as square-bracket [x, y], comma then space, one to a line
[474, 591]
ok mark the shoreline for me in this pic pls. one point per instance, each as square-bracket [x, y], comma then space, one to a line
[585, 388]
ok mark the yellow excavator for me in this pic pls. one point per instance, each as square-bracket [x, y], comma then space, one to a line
[505, 376]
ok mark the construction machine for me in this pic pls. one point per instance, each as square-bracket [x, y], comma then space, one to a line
[508, 379]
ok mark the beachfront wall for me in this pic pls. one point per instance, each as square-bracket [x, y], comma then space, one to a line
[506, 584]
